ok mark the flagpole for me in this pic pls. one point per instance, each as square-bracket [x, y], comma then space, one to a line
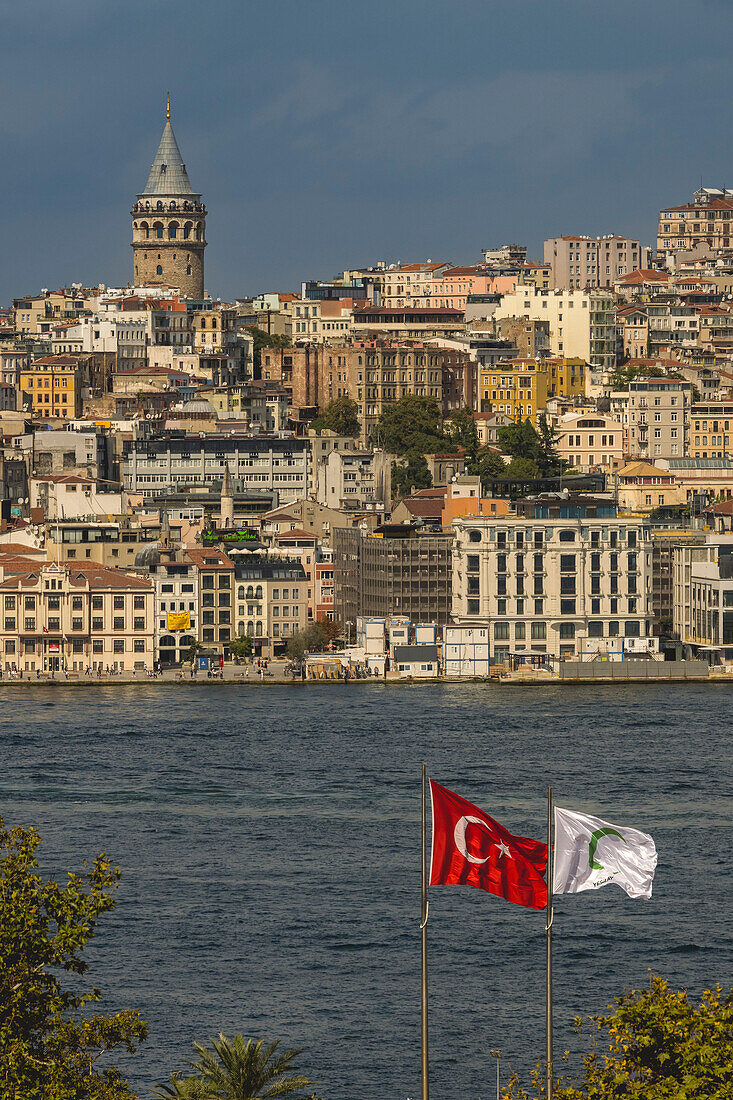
[548, 933]
[424, 947]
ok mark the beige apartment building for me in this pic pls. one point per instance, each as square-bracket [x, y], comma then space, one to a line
[52, 387]
[702, 224]
[588, 441]
[215, 587]
[271, 600]
[655, 413]
[582, 323]
[562, 579]
[584, 262]
[711, 432]
[73, 616]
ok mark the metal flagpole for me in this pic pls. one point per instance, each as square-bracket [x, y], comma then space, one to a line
[548, 933]
[424, 946]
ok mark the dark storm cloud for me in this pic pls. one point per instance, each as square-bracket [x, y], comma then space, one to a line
[327, 134]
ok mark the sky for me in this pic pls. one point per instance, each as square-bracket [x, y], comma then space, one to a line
[325, 135]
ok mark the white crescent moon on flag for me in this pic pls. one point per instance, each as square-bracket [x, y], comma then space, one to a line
[459, 837]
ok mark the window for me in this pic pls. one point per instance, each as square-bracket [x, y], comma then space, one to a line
[567, 585]
[539, 631]
[98, 623]
[77, 624]
[501, 631]
[567, 563]
[97, 604]
[119, 603]
[613, 629]
[595, 629]
[139, 603]
[138, 623]
[474, 536]
[118, 645]
[472, 561]
[77, 603]
[473, 607]
[567, 630]
[138, 645]
[118, 622]
[567, 607]
[567, 536]
[501, 607]
[519, 632]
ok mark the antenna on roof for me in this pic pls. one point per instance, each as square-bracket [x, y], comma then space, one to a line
[168, 107]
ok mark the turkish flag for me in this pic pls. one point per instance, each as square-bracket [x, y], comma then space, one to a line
[471, 849]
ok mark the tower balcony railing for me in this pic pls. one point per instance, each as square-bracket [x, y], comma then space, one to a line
[157, 206]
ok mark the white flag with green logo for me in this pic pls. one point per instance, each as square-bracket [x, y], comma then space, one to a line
[590, 853]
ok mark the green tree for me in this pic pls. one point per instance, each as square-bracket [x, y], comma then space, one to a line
[239, 1069]
[487, 465]
[412, 424]
[241, 647]
[340, 416]
[522, 440]
[51, 1046]
[464, 433]
[522, 468]
[264, 339]
[657, 1045]
[413, 472]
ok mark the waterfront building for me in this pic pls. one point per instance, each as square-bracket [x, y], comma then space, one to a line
[665, 541]
[175, 580]
[73, 616]
[169, 225]
[215, 611]
[562, 578]
[397, 570]
[271, 600]
[703, 597]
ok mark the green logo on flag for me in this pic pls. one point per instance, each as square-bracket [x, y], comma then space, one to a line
[596, 836]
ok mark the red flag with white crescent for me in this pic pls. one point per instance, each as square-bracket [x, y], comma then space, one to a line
[471, 849]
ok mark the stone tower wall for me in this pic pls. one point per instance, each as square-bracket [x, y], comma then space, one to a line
[172, 259]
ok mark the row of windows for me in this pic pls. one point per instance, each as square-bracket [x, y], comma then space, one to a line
[538, 631]
[119, 645]
[54, 624]
[53, 603]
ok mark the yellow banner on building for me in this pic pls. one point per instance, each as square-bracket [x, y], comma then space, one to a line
[179, 620]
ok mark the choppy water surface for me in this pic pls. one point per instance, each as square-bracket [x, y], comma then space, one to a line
[269, 839]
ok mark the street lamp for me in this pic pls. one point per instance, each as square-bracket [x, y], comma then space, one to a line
[349, 625]
[496, 1054]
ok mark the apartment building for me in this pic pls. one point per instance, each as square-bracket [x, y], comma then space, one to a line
[703, 597]
[355, 480]
[395, 571]
[582, 323]
[215, 611]
[520, 388]
[580, 262]
[52, 387]
[562, 578]
[407, 323]
[633, 327]
[271, 601]
[588, 441]
[71, 617]
[711, 429]
[705, 222]
[175, 579]
[278, 465]
[263, 405]
[655, 413]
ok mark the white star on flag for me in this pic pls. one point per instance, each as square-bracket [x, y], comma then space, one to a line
[503, 850]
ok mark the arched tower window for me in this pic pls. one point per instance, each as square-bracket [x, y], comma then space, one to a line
[145, 228]
[198, 231]
[158, 227]
[159, 270]
[159, 205]
[173, 230]
[187, 230]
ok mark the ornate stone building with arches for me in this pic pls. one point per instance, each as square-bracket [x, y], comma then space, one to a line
[169, 225]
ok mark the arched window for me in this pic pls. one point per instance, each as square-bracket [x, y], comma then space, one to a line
[241, 592]
[198, 231]
[159, 205]
[158, 227]
[258, 631]
[167, 640]
[203, 322]
[173, 204]
[146, 228]
[186, 640]
[187, 230]
[134, 225]
[258, 593]
[213, 322]
[250, 629]
[159, 270]
[188, 270]
[172, 230]
[250, 592]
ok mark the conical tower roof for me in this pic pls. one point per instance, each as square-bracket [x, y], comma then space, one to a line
[168, 174]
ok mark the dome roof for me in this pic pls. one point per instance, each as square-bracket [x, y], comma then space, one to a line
[148, 557]
[199, 405]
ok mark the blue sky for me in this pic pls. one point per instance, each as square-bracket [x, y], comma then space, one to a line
[330, 134]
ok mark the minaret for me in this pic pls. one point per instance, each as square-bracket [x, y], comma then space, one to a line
[226, 506]
[169, 224]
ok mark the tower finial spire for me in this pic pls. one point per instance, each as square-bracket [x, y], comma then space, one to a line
[168, 107]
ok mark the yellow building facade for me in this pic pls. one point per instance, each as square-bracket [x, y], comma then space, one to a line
[520, 388]
[52, 386]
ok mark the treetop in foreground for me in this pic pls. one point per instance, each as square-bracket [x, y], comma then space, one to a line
[657, 1045]
[51, 1046]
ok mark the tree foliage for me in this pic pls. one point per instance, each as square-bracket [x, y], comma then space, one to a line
[657, 1045]
[522, 440]
[241, 646]
[340, 416]
[311, 640]
[264, 339]
[412, 473]
[51, 1046]
[464, 433]
[412, 424]
[238, 1069]
[487, 465]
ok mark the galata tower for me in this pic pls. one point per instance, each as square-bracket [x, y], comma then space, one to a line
[169, 224]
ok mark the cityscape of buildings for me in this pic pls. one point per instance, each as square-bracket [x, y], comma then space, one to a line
[179, 474]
